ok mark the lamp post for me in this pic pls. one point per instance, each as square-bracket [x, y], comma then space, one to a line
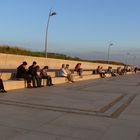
[46, 37]
[111, 44]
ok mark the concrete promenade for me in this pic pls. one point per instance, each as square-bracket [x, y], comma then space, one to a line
[102, 109]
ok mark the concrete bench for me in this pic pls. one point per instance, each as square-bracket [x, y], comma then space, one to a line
[7, 75]
[12, 75]
[85, 72]
[13, 84]
[19, 84]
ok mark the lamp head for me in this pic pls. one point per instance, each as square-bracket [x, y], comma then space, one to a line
[53, 14]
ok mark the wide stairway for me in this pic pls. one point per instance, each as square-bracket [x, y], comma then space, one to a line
[10, 82]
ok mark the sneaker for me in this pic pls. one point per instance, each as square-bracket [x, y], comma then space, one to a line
[48, 85]
[29, 86]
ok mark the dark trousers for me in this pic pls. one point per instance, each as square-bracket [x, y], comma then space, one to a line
[36, 81]
[79, 71]
[28, 79]
[1, 85]
[49, 79]
[102, 75]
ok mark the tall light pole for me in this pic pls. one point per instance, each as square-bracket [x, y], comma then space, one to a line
[111, 44]
[46, 37]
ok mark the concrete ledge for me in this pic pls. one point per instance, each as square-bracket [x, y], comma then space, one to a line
[86, 72]
[11, 75]
[51, 73]
[16, 84]
[13, 84]
[6, 76]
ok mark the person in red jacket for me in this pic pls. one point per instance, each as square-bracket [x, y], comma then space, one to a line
[78, 69]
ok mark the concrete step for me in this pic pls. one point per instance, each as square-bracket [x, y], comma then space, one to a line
[7, 76]
[16, 84]
[12, 75]
[13, 84]
[89, 72]
[51, 73]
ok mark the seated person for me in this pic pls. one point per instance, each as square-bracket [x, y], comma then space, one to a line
[110, 71]
[135, 69]
[98, 68]
[2, 86]
[65, 72]
[78, 69]
[37, 76]
[22, 73]
[44, 75]
[31, 72]
[119, 71]
[102, 72]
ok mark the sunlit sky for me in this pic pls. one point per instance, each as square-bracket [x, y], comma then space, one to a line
[83, 28]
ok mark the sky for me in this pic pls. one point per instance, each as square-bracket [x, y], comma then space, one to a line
[82, 28]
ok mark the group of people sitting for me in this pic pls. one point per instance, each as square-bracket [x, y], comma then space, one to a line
[101, 72]
[33, 75]
[66, 72]
[118, 71]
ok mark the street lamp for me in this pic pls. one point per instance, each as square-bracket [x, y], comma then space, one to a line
[46, 37]
[111, 44]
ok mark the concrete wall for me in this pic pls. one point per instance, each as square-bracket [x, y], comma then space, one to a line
[9, 61]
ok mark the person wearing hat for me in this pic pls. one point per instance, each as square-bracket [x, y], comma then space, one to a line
[22, 73]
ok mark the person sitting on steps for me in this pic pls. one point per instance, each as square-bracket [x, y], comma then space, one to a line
[102, 72]
[65, 72]
[44, 75]
[22, 73]
[78, 69]
[32, 72]
[37, 76]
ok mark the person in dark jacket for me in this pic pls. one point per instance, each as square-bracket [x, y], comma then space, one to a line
[22, 73]
[32, 73]
[2, 86]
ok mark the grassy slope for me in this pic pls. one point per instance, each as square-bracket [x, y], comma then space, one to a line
[20, 51]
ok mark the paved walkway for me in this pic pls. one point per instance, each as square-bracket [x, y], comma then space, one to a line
[102, 109]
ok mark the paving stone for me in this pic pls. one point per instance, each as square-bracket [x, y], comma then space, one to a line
[35, 136]
[120, 133]
[8, 133]
[28, 118]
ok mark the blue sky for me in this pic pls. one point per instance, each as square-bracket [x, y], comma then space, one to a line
[81, 27]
